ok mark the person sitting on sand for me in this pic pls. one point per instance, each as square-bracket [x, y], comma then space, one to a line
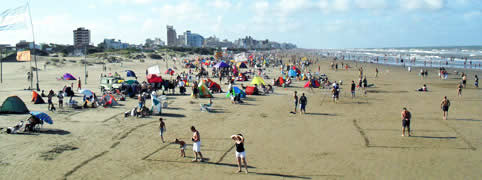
[424, 88]
[406, 116]
[240, 151]
[182, 145]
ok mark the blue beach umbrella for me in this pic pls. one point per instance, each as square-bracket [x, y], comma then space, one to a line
[42, 116]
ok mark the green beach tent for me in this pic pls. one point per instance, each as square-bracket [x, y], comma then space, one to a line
[13, 105]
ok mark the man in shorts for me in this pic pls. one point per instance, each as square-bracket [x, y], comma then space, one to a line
[303, 102]
[406, 116]
[444, 105]
[196, 145]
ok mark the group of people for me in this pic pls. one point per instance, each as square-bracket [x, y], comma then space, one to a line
[238, 139]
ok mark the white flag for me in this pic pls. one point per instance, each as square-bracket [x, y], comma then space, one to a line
[12, 19]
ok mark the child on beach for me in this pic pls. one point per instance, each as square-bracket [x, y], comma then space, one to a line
[459, 89]
[162, 128]
[182, 145]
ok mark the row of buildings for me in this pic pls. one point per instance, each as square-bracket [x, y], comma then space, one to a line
[188, 39]
[82, 39]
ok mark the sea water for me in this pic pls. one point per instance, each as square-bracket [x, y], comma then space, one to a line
[468, 57]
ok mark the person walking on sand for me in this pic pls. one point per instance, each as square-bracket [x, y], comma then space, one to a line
[464, 79]
[79, 85]
[295, 99]
[303, 102]
[336, 93]
[406, 116]
[476, 82]
[376, 72]
[459, 89]
[162, 128]
[444, 105]
[240, 151]
[196, 146]
[353, 86]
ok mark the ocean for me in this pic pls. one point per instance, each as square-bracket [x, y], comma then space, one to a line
[468, 57]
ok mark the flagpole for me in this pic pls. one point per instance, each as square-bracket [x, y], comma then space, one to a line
[33, 37]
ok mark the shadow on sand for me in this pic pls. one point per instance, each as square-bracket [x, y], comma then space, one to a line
[173, 115]
[434, 137]
[54, 131]
[474, 120]
[320, 114]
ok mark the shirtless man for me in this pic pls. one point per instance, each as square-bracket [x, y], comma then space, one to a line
[196, 146]
[406, 116]
[444, 105]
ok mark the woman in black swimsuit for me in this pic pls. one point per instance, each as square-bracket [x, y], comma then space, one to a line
[240, 151]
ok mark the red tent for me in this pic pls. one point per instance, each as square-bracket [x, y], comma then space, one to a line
[152, 78]
[250, 90]
[313, 83]
[36, 98]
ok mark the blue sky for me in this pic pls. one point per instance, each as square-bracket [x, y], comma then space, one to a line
[307, 23]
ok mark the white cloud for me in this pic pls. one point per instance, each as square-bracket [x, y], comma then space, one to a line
[341, 5]
[422, 4]
[124, 2]
[435, 4]
[126, 18]
[328, 6]
[221, 4]
[371, 4]
[472, 14]
[147, 25]
[290, 6]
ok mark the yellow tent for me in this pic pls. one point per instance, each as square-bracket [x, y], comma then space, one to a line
[258, 80]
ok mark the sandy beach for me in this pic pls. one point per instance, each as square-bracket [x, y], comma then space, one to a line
[356, 138]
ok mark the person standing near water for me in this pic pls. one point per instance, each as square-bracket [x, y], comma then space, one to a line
[476, 83]
[444, 105]
[406, 116]
[240, 151]
[196, 146]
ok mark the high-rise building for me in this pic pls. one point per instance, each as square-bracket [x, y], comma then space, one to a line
[181, 41]
[81, 37]
[171, 36]
[196, 40]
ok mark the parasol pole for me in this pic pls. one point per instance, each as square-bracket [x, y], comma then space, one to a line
[33, 51]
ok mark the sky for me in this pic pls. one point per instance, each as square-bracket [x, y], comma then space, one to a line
[306, 23]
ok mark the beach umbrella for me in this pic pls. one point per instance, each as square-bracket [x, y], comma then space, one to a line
[86, 92]
[42, 116]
